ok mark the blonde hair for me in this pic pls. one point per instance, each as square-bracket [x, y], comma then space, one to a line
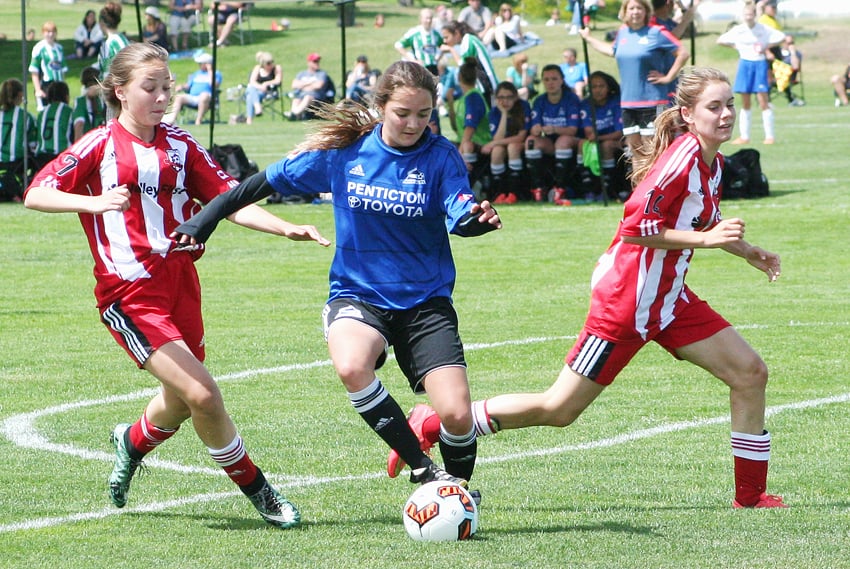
[125, 64]
[647, 6]
[348, 122]
[264, 57]
[693, 82]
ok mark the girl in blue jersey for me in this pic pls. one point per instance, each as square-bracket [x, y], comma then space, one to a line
[510, 118]
[555, 120]
[398, 192]
[648, 58]
[603, 105]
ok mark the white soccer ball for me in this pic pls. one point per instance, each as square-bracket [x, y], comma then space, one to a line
[440, 511]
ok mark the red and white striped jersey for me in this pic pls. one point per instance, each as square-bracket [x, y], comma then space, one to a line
[636, 289]
[165, 177]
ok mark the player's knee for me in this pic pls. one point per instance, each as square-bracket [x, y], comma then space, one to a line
[457, 421]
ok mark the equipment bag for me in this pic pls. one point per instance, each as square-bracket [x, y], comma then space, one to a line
[743, 177]
[234, 160]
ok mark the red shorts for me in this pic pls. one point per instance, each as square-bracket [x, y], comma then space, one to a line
[601, 360]
[163, 308]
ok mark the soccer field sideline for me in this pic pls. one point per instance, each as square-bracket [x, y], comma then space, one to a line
[21, 431]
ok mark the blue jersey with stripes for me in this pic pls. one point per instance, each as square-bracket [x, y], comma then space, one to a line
[393, 210]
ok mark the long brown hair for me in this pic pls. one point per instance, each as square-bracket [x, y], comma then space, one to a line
[669, 124]
[349, 121]
[10, 90]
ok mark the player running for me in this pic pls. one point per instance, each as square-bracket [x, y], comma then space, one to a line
[639, 293]
[132, 182]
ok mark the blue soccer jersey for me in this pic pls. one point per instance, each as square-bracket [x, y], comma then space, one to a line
[637, 53]
[393, 211]
[565, 112]
[513, 129]
[609, 117]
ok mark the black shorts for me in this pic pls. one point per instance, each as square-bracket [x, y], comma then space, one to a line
[641, 121]
[424, 338]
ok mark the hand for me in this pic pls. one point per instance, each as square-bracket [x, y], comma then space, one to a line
[304, 233]
[726, 232]
[656, 77]
[117, 199]
[765, 261]
[488, 214]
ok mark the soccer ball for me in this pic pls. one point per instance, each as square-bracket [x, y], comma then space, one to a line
[440, 511]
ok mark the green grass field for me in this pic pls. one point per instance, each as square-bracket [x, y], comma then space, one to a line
[642, 480]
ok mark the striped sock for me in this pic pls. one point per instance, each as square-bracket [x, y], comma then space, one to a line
[144, 436]
[235, 462]
[752, 453]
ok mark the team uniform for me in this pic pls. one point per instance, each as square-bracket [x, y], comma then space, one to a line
[500, 186]
[16, 123]
[751, 43]
[472, 111]
[148, 294]
[609, 116]
[637, 52]
[471, 46]
[55, 131]
[90, 112]
[639, 293]
[110, 46]
[425, 45]
[48, 60]
[565, 113]
[495, 117]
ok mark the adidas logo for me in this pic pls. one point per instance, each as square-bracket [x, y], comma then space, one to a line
[357, 171]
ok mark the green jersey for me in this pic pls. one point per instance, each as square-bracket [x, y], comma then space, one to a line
[55, 130]
[425, 44]
[90, 112]
[110, 46]
[48, 60]
[472, 110]
[471, 46]
[15, 124]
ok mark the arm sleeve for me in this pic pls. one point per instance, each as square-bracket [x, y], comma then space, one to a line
[202, 224]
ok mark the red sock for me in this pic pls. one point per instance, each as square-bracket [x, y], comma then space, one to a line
[431, 428]
[145, 436]
[236, 462]
[750, 480]
[752, 453]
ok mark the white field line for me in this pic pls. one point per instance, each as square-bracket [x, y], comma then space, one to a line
[20, 430]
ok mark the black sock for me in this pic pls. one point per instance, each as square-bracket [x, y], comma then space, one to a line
[382, 413]
[459, 454]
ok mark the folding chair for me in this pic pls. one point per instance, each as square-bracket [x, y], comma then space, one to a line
[273, 103]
